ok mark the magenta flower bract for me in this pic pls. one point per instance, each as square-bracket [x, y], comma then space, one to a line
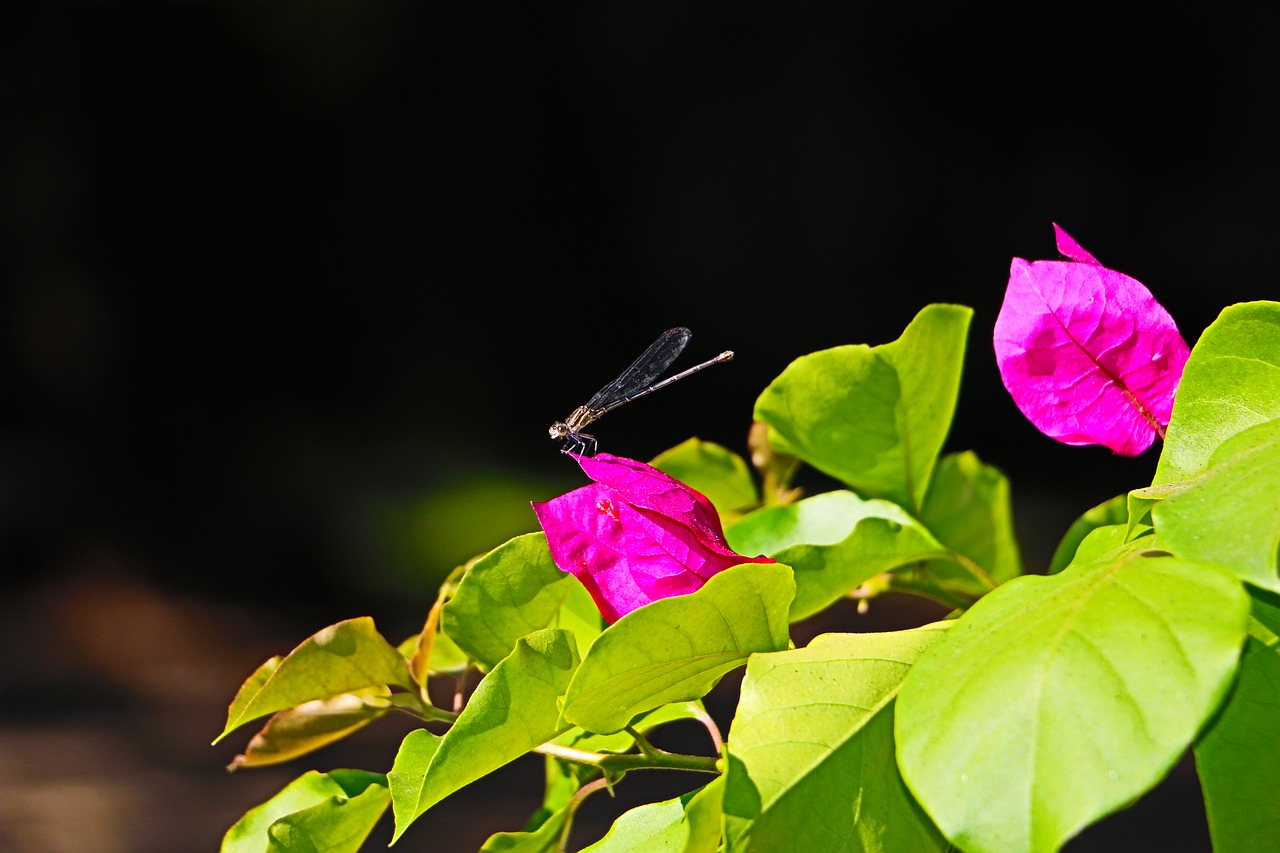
[1088, 354]
[635, 535]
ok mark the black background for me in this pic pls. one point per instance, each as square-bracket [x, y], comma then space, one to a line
[290, 283]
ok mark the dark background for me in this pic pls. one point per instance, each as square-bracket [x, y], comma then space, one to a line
[294, 289]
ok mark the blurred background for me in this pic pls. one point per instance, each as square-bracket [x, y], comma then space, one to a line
[293, 291]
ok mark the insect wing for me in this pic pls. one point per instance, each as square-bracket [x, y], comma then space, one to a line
[651, 364]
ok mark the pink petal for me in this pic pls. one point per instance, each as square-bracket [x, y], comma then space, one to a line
[624, 556]
[1070, 248]
[644, 486]
[635, 536]
[1088, 354]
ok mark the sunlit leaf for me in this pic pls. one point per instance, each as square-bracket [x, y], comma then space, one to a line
[545, 838]
[512, 591]
[1231, 513]
[834, 542]
[874, 418]
[720, 474]
[333, 826]
[1139, 649]
[1238, 758]
[561, 781]
[1107, 513]
[1140, 502]
[445, 658]
[1231, 383]
[1112, 543]
[513, 710]
[813, 735]
[671, 826]
[342, 658]
[250, 689]
[312, 725]
[705, 815]
[968, 510]
[678, 648]
[332, 812]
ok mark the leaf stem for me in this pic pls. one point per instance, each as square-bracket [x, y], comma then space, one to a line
[657, 759]
[411, 703]
[776, 469]
[579, 796]
[1263, 634]
[440, 715]
[646, 749]
[933, 592]
[979, 573]
[709, 724]
[460, 690]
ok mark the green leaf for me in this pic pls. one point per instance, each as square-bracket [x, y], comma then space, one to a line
[510, 592]
[1105, 514]
[968, 510]
[834, 542]
[425, 659]
[343, 658]
[674, 826]
[929, 358]
[1057, 700]
[307, 727]
[705, 816]
[1230, 514]
[1230, 383]
[824, 519]
[580, 615]
[1238, 758]
[250, 689]
[825, 574]
[513, 710]
[561, 780]
[656, 827]
[1111, 543]
[1115, 542]
[720, 474]
[445, 658]
[875, 419]
[543, 839]
[334, 826]
[332, 811]
[1140, 502]
[410, 773]
[813, 735]
[677, 648]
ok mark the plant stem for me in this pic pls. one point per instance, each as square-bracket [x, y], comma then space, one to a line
[656, 760]
[440, 715]
[933, 592]
[411, 703]
[646, 749]
[712, 729]
[1263, 634]
[979, 573]
[460, 691]
[580, 795]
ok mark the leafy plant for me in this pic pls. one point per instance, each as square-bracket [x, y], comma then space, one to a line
[1043, 703]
